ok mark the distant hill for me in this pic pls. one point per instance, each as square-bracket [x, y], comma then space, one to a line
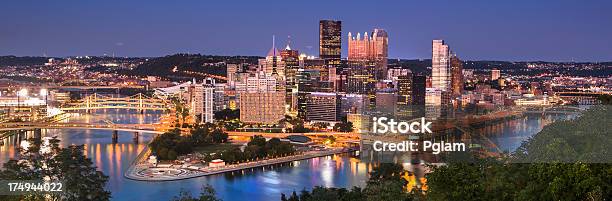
[165, 66]
[22, 61]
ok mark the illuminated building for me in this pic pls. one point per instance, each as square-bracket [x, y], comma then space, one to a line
[232, 70]
[370, 51]
[273, 65]
[404, 87]
[367, 60]
[262, 107]
[322, 107]
[292, 64]
[394, 73]
[353, 103]
[291, 60]
[440, 66]
[456, 76]
[495, 74]
[330, 42]
[200, 99]
[318, 65]
[260, 82]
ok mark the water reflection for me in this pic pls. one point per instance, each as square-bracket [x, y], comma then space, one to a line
[264, 183]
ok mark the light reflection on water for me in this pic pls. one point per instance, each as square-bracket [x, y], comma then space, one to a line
[264, 183]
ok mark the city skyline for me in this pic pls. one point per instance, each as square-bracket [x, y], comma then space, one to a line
[521, 31]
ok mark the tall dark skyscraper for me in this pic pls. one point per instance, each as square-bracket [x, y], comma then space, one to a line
[418, 89]
[456, 76]
[330, 45]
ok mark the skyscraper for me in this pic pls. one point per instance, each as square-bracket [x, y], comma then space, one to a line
[440, 66]
[370, 51]
[418, 89]
[330, 45]
[291, 59]
[456, 76]
[404, 86]
[292, 64]
[330, 48]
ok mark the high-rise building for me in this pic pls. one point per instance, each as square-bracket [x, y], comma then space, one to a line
[330, 42]
[318, 65]
[440, 66]
[260, 82]
[232, 70]
[262, 107]
[404, 87]
[456, 76]
[322, 107]
[292, 64]
[370, 51]
[495, 74]
[418, 89]
[200, 100]
[273, 65]
[386, 101]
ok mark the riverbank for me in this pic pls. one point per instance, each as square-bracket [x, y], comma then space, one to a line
[146, 172]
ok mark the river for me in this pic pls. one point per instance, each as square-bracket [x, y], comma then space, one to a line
[265, 183]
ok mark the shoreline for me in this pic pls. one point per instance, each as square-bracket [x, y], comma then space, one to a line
[135, 172]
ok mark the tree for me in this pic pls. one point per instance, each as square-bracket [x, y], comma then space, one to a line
[227, 114]
[48, 161]
[321, 125]
[207, 194]
[171, 144]
[344, 126]
[219, 136]
[567, 160]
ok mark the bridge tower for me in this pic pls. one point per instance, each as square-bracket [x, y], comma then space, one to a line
[115, 136]
[140, 103]
[135, 138]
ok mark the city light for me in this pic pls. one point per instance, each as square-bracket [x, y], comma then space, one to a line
[44, 92]
[23, 92]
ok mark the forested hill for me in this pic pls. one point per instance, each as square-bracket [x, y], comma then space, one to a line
[178, 64]
[22, 61]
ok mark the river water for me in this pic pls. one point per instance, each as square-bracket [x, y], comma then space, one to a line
[265, 183]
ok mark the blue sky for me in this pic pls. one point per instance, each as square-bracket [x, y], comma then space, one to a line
[519, 30]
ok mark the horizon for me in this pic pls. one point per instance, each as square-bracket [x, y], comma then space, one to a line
[552, 31]
[263, 56]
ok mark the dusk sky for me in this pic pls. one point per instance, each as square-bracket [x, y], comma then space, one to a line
[479, 30]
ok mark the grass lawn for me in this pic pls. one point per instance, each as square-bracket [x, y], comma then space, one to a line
[214, 148]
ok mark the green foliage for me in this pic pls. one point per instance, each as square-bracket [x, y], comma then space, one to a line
[605, 99]
[385, 183]
[207, 194]
[565, 161]
[320, 125]
[207, 134]
[81, 179]
[171, 144]
[258, 148]
[227, 114]
[344, 126]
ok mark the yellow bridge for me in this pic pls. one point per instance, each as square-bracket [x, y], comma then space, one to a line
[139, 102]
